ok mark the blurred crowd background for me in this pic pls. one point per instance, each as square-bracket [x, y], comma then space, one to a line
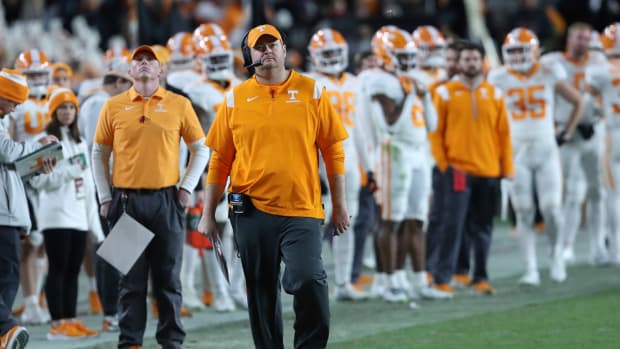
[79, 31]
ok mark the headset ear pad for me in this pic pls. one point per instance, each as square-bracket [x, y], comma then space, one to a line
[245, 51]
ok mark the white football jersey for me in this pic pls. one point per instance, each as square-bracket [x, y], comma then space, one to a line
[530, 99]
[30, 120]
[208, 95]
[410, 128]
[576, 75]
[605, 78]
[342, 95]
[184, 77]
[428, 77]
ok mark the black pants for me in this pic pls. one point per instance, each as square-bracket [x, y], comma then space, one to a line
[9, 275]
[469, 205]
[364, 221]
[65, 250]
[264, 240]
[434, 220]
[108, 279]
[160, 212]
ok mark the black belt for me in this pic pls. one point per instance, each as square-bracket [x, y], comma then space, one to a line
[144, 191]
[8, 166]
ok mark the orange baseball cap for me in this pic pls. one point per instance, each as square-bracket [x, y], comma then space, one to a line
[145, 48]
[264, 29]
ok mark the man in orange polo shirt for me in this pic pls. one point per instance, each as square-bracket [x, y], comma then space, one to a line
[266, 136]
[473, 151]
[143, 128]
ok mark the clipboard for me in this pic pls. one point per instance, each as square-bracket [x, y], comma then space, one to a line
[221, 260]
[31, 164]
[125, 244]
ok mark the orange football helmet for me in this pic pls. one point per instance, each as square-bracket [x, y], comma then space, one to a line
[394, 49]
[610, 39]
[216, 56]
[329, 51]
[520, 49]
[208, 29]
[182, 50]
[431, 46]
[38, 70]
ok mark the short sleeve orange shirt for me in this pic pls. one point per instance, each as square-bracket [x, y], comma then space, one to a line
[271, 135]
[145, 134]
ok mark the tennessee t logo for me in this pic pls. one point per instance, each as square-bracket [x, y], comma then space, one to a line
[293, 95]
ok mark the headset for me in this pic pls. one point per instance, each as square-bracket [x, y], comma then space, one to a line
[247, 55]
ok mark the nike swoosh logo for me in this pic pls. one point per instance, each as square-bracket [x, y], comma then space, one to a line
[130, 107]
[250, 99]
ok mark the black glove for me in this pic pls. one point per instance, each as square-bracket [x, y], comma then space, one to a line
[371, 183]
[586, 130]
[324, 187]
[561, 138]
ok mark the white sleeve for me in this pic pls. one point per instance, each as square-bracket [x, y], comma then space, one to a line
[359, 137]
[101, 171]
[55, 179]
[197, 163]
[493, 76]
[362, 113]
[558, 72]
[90, 116]
[430, 114]
[597, 78]
[11, 150]
[92, 209]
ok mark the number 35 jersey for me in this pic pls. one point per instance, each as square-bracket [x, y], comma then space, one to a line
[529, 99]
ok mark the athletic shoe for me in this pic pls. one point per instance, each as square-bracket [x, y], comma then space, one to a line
[444, 288]
[88, 332]
[94, 303]
[394, 295]
[207, 298]
[531, 278]
[110, 324]
[64, 331]
[461, 280]
[16, 338]
[483, 287]
[223, 305]
[557, 270]
[34, 315]
[428, 292]
[348, 293]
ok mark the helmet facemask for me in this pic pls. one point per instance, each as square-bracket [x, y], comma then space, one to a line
[405, 60]
[330, 60]
[38, 81]
[218, 65]
[519, 57]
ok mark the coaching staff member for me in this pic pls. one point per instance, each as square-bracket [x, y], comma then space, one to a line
[266, 136]
[473, 151]
[143, 128]
[14, 216]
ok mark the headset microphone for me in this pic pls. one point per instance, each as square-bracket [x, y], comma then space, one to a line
[253, 65]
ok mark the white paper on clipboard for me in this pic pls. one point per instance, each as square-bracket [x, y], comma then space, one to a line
[126, 242]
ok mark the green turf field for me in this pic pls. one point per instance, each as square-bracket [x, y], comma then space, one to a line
[583, 312]
[582, 322]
